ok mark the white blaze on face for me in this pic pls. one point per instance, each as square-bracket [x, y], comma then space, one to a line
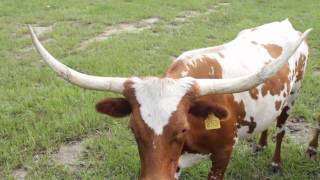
[159, 98]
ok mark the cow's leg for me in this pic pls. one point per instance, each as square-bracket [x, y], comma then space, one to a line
[281, 127]
[312, 149]
[263, 142]
[220, 160]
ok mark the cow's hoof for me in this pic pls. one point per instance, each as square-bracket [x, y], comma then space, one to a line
[257, 148]
[312, 153]
[275, 167]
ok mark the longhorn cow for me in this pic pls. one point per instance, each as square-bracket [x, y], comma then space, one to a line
[207, 99]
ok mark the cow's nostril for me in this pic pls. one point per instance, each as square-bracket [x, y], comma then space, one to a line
[184, 130]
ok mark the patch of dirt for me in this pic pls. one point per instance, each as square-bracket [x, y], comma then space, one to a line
[144, 24]
[39, 30]
[185, 16]
[29, 48]
[80, 24]
[69, 155]
[42, 29]
[299, 131]
[224, 4]
[316, 71]
[20, 174]
[121, 28]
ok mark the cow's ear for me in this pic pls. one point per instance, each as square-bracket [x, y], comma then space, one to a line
[116, 107]
[203, 109]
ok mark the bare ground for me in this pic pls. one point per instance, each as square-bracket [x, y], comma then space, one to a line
[316, 71]
[68, 155]
[187, 15]
[121, 28]
[224, 4]
[43, 29]
[133, 27]
[144, 24]
[40, 31]
[299, 131]
[20, 174]
[183, 17]
[29, 48]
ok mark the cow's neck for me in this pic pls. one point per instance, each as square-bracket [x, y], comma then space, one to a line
[200, 140]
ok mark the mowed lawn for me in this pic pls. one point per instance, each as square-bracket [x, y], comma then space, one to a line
[39, 111]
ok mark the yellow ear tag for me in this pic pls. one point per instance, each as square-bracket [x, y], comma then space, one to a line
[212, 122]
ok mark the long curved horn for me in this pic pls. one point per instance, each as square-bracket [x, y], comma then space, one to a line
[244, 83]
[114, 84]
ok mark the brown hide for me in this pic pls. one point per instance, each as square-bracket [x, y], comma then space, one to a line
[199, 139]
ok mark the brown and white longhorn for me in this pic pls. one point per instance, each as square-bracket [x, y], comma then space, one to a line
[246, 83]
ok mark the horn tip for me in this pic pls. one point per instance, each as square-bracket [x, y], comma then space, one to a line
[306, 33]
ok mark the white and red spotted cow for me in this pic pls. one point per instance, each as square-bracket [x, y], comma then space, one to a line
[247, 83]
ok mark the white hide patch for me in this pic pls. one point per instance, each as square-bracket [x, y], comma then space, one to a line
[262, 110]
[189, 159]
[159, 98]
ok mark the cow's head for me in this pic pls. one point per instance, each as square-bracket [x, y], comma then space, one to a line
[159, 107]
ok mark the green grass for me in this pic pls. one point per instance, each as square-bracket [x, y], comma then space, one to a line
[39, 111]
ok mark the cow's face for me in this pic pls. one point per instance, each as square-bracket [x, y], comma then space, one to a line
[159, 111]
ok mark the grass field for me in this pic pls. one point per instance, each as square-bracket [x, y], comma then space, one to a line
[39, 112]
